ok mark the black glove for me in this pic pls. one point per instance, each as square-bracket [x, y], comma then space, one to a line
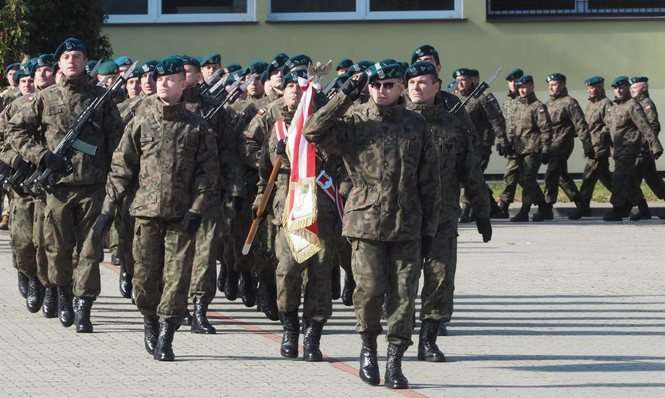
[657, 154]
[426, 248]
[545, 158]
[191, 222]
[101, 225]
[588, 151]
[500, 149]
[280, 149]
[53, 162]
[484, 228]
[354, 86]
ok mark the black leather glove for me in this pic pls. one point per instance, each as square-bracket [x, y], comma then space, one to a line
[588, 151]
[355, 85]
[53, 162]
[280, 148]
[484, 228]
[426, 247]
[101, 225]
[191, 222]
[500, 149]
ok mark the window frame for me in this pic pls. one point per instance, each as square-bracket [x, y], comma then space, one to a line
[363, 13]
[581, 11]
[155, 16]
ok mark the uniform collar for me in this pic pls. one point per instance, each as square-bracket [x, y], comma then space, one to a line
[170, 112]
[563, 93]
[641, 96]
[387, 112]
[76, 83]
[528, 99]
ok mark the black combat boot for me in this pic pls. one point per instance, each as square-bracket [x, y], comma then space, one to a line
[247, 289]
[164, 347]
[312, 341]
[466, 215]
[267, 295]
[150, 332]
[187, 319]
[615, 214]
[427, 348]
[125, 282]
[33, 300]
[349, 287]
[65, 307]
[502, 211]
[394, 378]
[82, 314]
[643, 211]
[231, 284]
[544, 213]
[369, 363]
[291, 325]
[200, 323]
[335, 282]
[221, 278]
[523, 214]
[23, 284]
[583, 209]
[443, 329]
[50, 304]
[495, 210]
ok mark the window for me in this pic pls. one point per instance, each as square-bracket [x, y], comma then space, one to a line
[330, 10]
[179, 11]
[497, 9]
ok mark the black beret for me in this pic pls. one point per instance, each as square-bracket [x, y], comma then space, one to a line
[344, 64]
[514, 75]
[14, 66]
[383, 70]
[526, 79]
[299, 62]
[212, 58]
[232, 68]
[424, 51]
[420, 68]
[45, 60]
[189, 60]
[70, 44]
[555, 77]
[465, 72]
[639, 79]
[592, 81]
[292, 77]
[257, 68]
[26, 70]
[621, 81]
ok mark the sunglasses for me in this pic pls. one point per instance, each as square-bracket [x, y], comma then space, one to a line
[386, 85]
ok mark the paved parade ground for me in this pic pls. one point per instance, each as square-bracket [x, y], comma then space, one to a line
[544, 310]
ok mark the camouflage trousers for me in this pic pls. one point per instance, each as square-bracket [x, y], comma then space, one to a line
[529, 164]
[625, 183]
[236, 225]
[595, 169]
[162, 267]
[646, 169]
[27, 238]
[391, 270]
[556, 174]
[314, 274]
[121, 236]
[204, 258]
[70, 213]
[510, 180]
[439, 280]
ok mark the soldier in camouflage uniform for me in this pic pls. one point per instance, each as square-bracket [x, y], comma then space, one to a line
[567, 122]
[505, 148]
[12, 92]
[274, 77]
[169, 154]
[485, 113]
[646, 165]
[597, 143]
[630, 129]
[392, 211]
[77, 198]
[460, 164]
[530, 136]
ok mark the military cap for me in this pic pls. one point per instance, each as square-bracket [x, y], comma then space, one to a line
[24, 71]
[424, 51]
[514, 75]
[592, 81]
[639, 79]
[212, 58]
[90, 65]
[70, 44]
[292, 77]
[170, 66]
[148, 66]
[344, 64]
[465, 72]
[382, 70]
[298, 62]
[187, 60]
[45, 60]
[233, 68]
[14, 66]
[257, 68]
[277, 63]
[123, 60]
[621, 81]
[359, 67]
[136, 73]
[526, 79]
[555, 77]
[32, 62]
[107, 68]
[420, 68]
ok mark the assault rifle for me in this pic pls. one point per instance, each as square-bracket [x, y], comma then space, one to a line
[477, 92]
[210, 82]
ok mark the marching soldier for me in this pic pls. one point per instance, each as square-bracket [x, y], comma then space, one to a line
[209, 65]
[274, 77]
[12, 92]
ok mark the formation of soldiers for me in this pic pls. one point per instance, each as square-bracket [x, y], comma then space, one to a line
[185, 154]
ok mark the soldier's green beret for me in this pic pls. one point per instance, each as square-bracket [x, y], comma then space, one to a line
[420, 68]
[298, 62]
[233, 68]
[514, 75]
[555, 77]
[211, 59]
[382, 71]
[344, 64]
[257, 68]
[359, 67]
[170, 66]
[13, 66]
[465, 72]
[277, 63]
[90, 65]
[32, 62]
[639, 79]
[148, 66]
[424, 51]
[592, 81]
[620, 81]
[70, 44]
[136, 73]
[45, 60]
[27, 70]
[187, 60]
[526, 79]
[292, 77]
[107, 68]
[123, 60]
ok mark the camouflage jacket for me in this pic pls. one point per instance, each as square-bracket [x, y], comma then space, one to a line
[459, 164]
[8, 155]
[392, 163]
[509, 106]
[567, 121]
[650, 110]
[598, 134]
[7, 96]
[531, 130]
[52, 112]
[485, 113]
[169, 154]
[128, 107]
[630, 128]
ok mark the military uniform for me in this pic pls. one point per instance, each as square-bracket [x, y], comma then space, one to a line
[511, 175]
[646, 165]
